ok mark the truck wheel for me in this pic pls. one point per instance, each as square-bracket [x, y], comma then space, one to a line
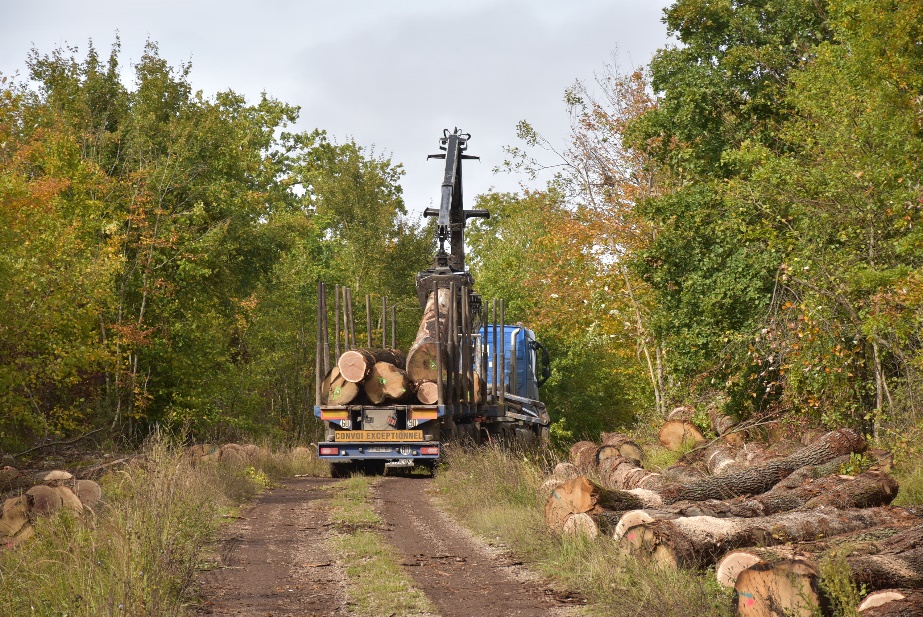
[373, 468]
[341, 470]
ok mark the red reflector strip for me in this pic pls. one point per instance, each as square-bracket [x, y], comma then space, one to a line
[429, 450]
[333, 451]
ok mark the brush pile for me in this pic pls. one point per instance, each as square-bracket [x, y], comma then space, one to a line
[40, 494]
[766, 517]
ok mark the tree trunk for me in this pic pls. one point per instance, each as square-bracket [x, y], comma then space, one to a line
[683, 413]
[15, 516]
[422, 358]
[721, 458]
[580, 495]
[583, 455]
[331, 376]
[699, 541]
[386, 383]
[898, 562]
[682, 473]
[620, 473]
[866, 490]
[860, 542]
[893, 603]
[676, 435]
[356, 364]
[758, 479]
[590, 525]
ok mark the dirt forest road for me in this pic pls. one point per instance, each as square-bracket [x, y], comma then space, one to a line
[275, 560]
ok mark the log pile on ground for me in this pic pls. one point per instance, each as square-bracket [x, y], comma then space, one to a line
[40, 494]
[232, 453]
[767, 517]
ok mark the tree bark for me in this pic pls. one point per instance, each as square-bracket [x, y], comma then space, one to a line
[683, 413]
[721, 422]
[385, 383]
[699, 541]
[356, 364]
[422, 358]
[860, 542]
[583, 455]
[758, 479]
[620, 473]
[682, 473]
[722, 458]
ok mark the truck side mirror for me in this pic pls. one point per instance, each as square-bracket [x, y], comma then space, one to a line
[546, 362]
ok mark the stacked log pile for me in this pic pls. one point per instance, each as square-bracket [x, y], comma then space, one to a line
[233, 453]
[39, 495]
[764, 516]
[376, 375]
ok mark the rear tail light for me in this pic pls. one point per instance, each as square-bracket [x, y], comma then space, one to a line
[330, 451]
[429, 450]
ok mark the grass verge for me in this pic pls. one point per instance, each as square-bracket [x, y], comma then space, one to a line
[376, 585]
[138, 553]
[496, 494]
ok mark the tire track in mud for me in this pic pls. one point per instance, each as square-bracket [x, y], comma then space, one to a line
[274, 561]
[460, 575]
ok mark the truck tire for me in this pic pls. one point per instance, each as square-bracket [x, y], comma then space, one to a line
[525, 437]
[373, 468]
[342, 470]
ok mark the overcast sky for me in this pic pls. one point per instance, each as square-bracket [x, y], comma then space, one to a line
[389, 74]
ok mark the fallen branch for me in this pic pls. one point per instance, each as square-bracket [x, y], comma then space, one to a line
[57, 443]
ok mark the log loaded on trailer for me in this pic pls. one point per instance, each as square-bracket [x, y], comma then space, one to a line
[467, 376]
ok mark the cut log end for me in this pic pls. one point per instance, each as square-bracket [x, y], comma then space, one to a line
[580, 524]
[386, 382]
[732, 564]
[787, 587]
[676, 435]
[428, 392]
[893, 603]
[353, 366]
[14, 517]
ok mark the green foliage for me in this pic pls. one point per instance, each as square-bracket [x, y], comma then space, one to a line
[836, 581]
[537, 255]
[161, 250]
[785, 264]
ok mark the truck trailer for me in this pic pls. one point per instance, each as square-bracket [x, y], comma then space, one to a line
[468, 376]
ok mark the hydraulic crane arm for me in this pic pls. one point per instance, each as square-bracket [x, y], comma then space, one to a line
[451, 214]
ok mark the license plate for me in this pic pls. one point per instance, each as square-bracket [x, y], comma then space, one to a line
[353, 436]
[379, 449]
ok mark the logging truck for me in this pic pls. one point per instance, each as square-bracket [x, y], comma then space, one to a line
[468, 375]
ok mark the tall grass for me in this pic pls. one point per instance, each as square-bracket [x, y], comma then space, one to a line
[137, 554]
[496, 493]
